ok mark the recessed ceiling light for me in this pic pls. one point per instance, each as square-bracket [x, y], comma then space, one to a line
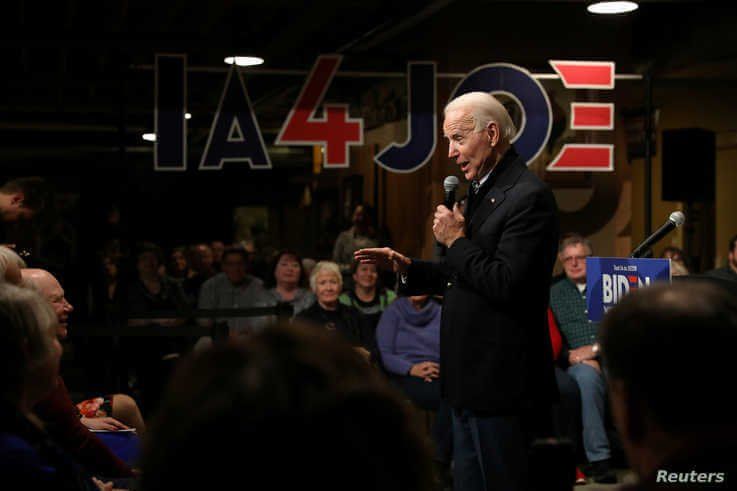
[612, 7]
[244, 60]
[149, 137]
[187, 115]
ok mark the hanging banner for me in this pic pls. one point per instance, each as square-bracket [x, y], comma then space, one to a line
[235, 135]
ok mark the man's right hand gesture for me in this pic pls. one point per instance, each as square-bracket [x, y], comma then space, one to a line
[383, 258]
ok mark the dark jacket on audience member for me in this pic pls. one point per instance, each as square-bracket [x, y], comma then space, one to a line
[345, 320]
[62, 421]
[30, 460]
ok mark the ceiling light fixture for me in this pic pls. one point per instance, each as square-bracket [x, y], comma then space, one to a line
[149, 137]
[612, 7]
[244, 60]
[187, 115]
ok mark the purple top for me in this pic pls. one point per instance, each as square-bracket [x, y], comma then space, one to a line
[406, 336]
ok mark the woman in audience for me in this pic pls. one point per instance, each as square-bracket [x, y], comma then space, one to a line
[150, 291]
[29, 355]
[408, 338]
[288, 281]
[178, 267]
[367, 297]
[303, 412]
[327, 312]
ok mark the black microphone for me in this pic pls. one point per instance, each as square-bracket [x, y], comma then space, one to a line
[676, 219]
[450, 184]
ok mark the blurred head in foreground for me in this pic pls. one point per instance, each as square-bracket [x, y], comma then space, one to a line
[667, 350]
[301, 410]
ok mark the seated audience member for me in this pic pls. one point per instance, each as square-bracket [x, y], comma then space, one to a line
[729, 272]
[304, 412]
[568, 303]
[150, 291]
[107, 295]
[201, 261]
[64, 422]
[233, 288]
[218, 247]
[567, 410]
[367, 297]
[327, 312]
[22, 199]
[361, 234]
[288, 280]
[408, 339]
[30, 354]
[678, 265]
[666, 350]
[178, 268]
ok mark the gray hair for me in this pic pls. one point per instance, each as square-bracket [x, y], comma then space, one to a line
[484, 109]
[27, 325]
[9, 258]
[325, 267]
[572, 239]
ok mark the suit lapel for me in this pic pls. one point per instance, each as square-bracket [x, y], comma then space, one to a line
[491, 201]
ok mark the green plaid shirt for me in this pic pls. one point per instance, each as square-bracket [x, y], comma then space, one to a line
[569, 307]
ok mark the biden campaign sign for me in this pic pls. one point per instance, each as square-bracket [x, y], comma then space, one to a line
[608, 279]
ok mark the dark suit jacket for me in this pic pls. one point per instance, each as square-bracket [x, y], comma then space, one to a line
[495, 355]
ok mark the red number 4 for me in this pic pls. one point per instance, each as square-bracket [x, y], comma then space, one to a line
[335, 131]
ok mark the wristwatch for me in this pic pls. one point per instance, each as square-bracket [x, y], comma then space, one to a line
[595, 349]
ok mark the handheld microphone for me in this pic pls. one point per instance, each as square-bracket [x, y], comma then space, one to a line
[450, 184]
[676, 219]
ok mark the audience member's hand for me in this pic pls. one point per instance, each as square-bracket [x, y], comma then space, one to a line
[107, 423]
[383, 258]
[579, 355]
[105, 486]
[363, 352]
[426, 370]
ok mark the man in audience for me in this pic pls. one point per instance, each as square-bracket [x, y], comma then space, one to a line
[21, 199]
[57, 409]
[232, 289]
[729, 272]
[201, 260]
[668, 351]
[568, 303]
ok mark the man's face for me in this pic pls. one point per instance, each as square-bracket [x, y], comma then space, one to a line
[234, 267]
[206, 257]
[573, 259]
[54, 293]
[471, 149]
[366, 275]
[148, 263]
[15, 210]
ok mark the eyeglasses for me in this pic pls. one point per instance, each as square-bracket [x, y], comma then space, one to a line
[570, 259]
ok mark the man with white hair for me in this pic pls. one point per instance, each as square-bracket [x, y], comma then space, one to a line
[58, 411]
[497, 372]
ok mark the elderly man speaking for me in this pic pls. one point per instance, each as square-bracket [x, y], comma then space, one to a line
[495, 359]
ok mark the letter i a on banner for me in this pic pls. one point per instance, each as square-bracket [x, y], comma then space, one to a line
[235, 135]
[170, 106]
[335, 131]
[586, 116]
